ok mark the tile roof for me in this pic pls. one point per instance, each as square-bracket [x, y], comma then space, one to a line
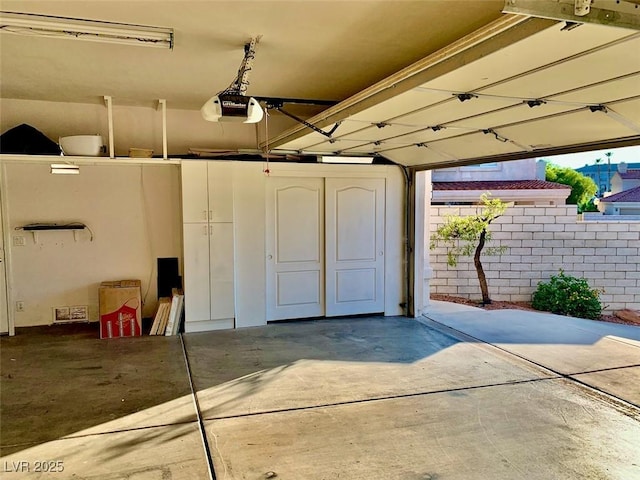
[631, 195]
[499, 185]
[630, 175]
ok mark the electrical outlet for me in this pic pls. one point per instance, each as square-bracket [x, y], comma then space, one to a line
[19, 306]
[18, 241]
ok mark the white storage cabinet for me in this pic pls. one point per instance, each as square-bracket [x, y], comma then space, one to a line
[207, 213]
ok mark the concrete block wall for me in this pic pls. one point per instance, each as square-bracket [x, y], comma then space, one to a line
[541, 240]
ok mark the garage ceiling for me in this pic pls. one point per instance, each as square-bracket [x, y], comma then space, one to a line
[396, 70]
[325, 50]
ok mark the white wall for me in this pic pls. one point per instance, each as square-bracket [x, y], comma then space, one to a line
[133, 211]
[135, 215]
[139, 127]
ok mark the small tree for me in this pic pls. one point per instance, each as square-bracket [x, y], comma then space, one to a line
[463, 236]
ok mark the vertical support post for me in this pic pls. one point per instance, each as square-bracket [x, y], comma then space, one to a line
[162, 103]
[421, 198]
[4, 231]
[109, 104]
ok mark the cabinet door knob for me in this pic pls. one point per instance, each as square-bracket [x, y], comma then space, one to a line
[270, 257]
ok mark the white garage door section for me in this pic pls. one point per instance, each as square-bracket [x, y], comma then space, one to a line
[325, 247]
[354, 246]
[295, 248]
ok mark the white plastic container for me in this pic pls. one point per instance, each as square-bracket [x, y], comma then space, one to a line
[82, 145]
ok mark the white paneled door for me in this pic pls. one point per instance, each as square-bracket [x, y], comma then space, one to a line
[355, 210]
[295, 248]
[325, 247]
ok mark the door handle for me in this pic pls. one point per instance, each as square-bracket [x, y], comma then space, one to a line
[204, 215]
[270, 257]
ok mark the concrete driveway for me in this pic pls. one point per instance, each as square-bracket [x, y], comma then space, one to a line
[368, 398]
[603, 355]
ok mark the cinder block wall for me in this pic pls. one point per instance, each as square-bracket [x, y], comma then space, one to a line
[541, 240]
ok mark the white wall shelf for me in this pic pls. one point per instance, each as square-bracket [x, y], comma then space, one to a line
[11, 158]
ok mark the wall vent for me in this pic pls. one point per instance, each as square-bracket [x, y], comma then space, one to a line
[74, 313]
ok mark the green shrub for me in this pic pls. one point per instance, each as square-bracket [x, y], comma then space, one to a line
[567, 295]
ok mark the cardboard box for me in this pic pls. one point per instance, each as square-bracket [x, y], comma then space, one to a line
[120, 309]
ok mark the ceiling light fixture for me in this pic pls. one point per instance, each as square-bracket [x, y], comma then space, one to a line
[65, 169]
[327, 159]
[81, 29]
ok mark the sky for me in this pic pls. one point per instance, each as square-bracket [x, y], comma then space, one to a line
[577, 160]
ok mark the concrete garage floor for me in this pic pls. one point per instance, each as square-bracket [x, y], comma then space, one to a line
[361, 398]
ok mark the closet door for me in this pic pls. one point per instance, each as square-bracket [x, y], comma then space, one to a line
[355, 213]
[295, 248]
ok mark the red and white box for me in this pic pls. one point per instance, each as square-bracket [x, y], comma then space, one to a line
[120, 309]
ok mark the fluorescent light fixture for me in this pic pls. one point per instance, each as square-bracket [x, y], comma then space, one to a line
[331, 159]
[64, 169]
[80, 29]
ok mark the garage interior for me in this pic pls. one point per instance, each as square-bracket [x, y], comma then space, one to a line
[409, 86]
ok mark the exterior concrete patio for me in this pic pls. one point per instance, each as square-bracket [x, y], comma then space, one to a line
[350, 398]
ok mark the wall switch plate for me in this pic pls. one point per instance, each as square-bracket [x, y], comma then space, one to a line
[18, 241]
[19, 306]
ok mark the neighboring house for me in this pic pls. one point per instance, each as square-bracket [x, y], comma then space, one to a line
[521, 182]
[625, 178]
[604, 174]
[625, 193]
[626, 202]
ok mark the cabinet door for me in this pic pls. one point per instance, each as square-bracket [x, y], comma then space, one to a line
[196, 272]
[221, 270]
[195, 201]
[220, 191]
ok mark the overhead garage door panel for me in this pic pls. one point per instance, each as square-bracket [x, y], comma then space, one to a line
[475, 145]
[544, 48]
[591, 64]
[426, 135]
[455, 110]
[405, 102]
[303, 143]
[603, 92]
[337, 145]
[515, 114]
[374, 133]
[629, 109]
[612, 62]
[574, 128]
[417, 156]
